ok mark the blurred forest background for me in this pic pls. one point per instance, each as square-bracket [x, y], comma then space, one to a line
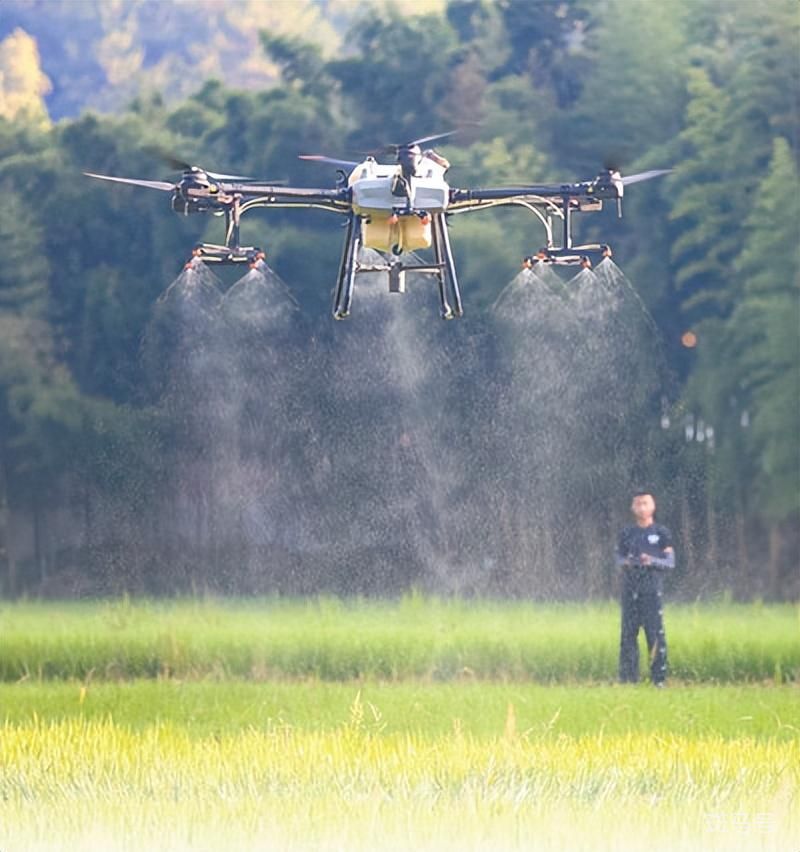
[232, 437]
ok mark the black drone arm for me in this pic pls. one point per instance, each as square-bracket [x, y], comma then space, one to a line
[466, 198]
[283, 194]
[607, 185]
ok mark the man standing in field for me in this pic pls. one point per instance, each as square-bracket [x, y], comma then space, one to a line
[644, 553]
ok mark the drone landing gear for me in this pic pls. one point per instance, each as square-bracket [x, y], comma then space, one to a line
[443, 268]
[447, 269]
[348, 266]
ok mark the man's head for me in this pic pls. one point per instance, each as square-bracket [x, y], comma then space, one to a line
[643, 507]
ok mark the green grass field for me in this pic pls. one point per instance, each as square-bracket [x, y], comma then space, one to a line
[414, 637]
[413, 724]
[480, 709]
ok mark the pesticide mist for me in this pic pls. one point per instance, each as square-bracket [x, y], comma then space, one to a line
[393, 449]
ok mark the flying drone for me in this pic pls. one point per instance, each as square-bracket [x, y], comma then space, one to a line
[396, 208]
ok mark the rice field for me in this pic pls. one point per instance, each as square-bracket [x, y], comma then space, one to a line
[413, 637]
[210, 725]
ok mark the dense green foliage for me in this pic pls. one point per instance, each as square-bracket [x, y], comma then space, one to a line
[541, 91]
[420, 638]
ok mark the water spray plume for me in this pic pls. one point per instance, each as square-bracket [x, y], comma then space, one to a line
[395, 450]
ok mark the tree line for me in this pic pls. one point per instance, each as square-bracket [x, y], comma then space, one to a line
[117, 400]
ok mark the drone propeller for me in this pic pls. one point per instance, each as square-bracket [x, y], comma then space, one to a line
[321, 158]
[172, 162]
[163, 185]
[425, 139]
[245, 178]
[615, 179]
[189, 169]
[653, 173]
[613, 165]
[395, 147]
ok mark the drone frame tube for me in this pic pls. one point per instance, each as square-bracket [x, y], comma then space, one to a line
[448, 272]
[345, 282]
[438, 250]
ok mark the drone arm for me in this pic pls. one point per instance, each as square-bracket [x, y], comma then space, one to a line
[607, 185]
[288, 193]
[269, 202]
[468, 197]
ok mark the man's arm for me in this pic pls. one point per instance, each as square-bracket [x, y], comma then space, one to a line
[665, 561]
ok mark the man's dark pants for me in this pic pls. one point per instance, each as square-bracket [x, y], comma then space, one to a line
[642, 606]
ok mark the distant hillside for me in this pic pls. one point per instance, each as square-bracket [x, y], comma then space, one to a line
[100, 55]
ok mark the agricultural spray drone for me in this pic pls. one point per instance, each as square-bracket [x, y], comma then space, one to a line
[394, 208]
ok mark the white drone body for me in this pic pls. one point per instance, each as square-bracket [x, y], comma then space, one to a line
[396, 211]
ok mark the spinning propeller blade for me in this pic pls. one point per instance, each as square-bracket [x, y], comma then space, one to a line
[613, 178]
[172, 162]
[396, 147]
[429, 138]
[150, 184]
[188, 168]
[321, 158]
[218, 176]
[653, 173]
